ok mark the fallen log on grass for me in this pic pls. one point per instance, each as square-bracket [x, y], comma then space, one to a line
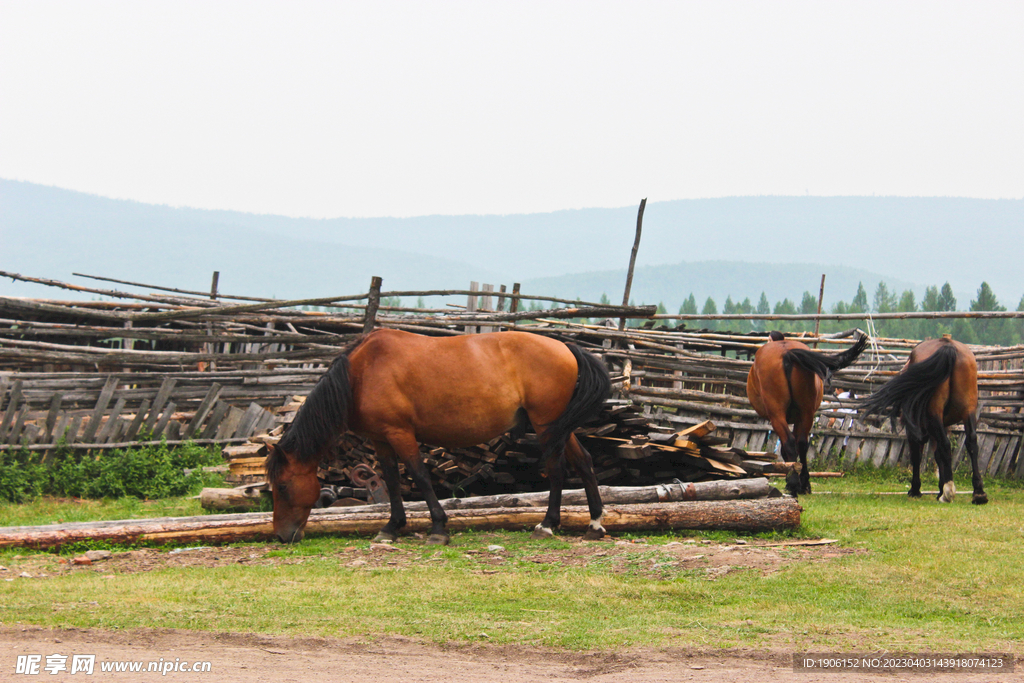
[764, 514]
[735, 489]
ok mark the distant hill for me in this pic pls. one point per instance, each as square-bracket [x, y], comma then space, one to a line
[687, 245]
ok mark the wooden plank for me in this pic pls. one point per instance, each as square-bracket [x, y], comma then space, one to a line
[1014, 456]
[62, 424]
[248, 421]
[879, 448]
[896, 448]
[173, 430]
[265, 422]
[999, 454]
[985, 446]
[101, 406]
[107, 429]
[220, 409]
[19, 423]
[73, 428]
[51, 415]
[136, 424]
[12, 410]
[162, 395]
[203, 410]
[161, 424]
[230, 423]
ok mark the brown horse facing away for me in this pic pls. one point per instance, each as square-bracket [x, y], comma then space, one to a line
[937, 388]
[397, 388]
[785, 385]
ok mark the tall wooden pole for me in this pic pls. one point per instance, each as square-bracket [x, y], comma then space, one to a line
[817, 321]
[372, 303]
[632, 259]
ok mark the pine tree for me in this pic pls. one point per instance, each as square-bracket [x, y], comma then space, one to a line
[763, 308]
[709, 309]
[990, 331]
[884, 301]
[947, 302]
[860, 300]
[604, 299]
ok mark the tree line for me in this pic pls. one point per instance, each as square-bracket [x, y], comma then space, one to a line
[1004, 332]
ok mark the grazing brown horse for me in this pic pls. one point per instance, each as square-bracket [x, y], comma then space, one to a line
[937, 388]
[785, 385]
[397, 388]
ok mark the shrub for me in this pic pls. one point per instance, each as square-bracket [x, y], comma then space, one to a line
[146, 472]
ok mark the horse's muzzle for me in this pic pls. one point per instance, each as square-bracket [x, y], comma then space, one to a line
[291, 536]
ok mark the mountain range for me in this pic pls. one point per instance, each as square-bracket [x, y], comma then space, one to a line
[738, 246]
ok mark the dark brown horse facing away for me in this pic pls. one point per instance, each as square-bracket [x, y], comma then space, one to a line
[785, 385]
[937, 388]
[397, 389]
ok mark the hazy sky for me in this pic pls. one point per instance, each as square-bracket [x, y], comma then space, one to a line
[409, 108]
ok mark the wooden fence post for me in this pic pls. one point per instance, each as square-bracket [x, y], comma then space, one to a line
[817, 321]
[372, 304]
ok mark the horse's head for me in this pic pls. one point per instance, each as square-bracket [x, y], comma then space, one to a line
[295, 488]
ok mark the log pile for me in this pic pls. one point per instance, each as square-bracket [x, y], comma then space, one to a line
[627, 447]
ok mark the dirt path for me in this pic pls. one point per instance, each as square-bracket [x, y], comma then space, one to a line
[254, 658]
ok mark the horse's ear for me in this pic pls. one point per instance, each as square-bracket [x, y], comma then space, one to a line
[775, 335]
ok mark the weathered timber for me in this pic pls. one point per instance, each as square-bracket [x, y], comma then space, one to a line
[761, 515]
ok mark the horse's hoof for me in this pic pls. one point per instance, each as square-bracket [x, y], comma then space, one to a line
[385, 537]
[438, 539]
[948, 492]
[541, 532]
[593, 534]
[979, 499]
[914, 494]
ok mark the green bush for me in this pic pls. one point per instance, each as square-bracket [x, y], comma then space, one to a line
[147, 472]
[21, 475]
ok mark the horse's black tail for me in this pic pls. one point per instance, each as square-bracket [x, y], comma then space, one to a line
[824, 365]
[593, 384]
[909, 393]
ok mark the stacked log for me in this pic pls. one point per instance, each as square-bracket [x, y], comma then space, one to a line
[628, 450]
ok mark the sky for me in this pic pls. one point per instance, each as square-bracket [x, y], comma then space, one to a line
[355, 109]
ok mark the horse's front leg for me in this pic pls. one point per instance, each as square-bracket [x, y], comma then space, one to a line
[408, 450]
[389, 463]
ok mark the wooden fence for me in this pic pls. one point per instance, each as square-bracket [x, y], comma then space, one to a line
[110, 373]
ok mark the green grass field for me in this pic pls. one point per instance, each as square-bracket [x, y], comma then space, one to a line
[924, 576]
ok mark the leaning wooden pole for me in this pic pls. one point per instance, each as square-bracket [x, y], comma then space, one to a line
[817, 321]
[764, 514]
[632, 259]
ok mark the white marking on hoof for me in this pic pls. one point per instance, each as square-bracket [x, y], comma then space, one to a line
[948, 492]
[595, 524]
[541, 530]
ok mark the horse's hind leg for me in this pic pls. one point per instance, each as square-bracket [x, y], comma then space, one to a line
[580, 459]
[409, 451]
[788, 451]
[556, 477]
[389, 463]
[803, 436]
[943, 459]
[971, 437]
[916, 448]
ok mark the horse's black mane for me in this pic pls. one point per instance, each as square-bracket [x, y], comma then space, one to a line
[320, 420]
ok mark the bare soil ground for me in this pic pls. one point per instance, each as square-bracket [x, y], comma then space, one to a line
[649, 560]
[254, 658]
